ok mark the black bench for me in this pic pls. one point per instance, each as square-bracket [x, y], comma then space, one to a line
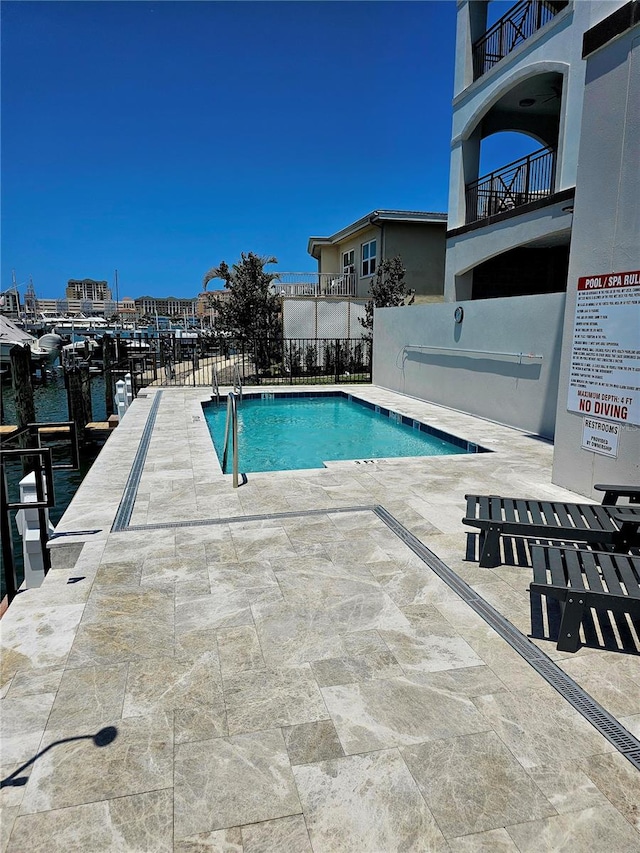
[581, 579]
[599, 524]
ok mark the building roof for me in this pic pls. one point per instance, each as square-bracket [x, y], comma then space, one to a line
[373, 218]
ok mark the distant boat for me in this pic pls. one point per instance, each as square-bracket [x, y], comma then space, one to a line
[43, 354]
[82, 325]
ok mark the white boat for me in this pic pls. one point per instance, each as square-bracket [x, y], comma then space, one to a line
[82, 326]
[44, 354]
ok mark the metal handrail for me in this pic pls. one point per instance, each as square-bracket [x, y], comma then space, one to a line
[215, 387]
[237, 381]
[517, 356]
[36, 431]
[231, 426]
[530, 178]
[315, 284]
[516, 26]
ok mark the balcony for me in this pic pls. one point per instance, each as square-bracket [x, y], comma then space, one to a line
[315, 284]
[529, 179]
[520, 22]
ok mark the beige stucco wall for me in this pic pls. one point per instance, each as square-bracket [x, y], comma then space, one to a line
[422, 249]
[329, 259]
[421, 246]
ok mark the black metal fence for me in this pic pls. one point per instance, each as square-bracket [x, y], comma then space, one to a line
[519, 23]
[528, 179]
[292, 361]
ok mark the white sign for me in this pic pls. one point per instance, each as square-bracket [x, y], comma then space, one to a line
[605, 358]
[600, 437]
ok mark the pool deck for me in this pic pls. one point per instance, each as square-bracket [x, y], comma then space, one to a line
[283, 671]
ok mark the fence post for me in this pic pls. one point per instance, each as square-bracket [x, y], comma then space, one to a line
[337, 362]
[121, 398]
[28, 524]
[107, 361]
[78, 383]
[10, 580]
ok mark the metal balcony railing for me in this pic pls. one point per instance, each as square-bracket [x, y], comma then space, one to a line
[315, 284]
[529, 179]
[520, 22]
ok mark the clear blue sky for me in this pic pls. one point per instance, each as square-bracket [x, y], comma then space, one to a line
[160, 138]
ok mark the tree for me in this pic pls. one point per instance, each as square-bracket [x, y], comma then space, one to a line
[387, 291]
[252, 311]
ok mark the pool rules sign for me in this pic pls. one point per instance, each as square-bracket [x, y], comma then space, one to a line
[604, 382]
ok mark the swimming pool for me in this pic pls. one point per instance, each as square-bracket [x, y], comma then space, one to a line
[287, 432]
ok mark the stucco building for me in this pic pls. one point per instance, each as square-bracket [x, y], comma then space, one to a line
[523, 342]
[351, 256]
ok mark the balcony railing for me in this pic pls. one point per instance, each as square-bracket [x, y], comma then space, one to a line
[315, 284]
[520, 22]
[529, 179]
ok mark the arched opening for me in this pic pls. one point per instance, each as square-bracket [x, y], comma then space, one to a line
[510, 157]
[539, 267]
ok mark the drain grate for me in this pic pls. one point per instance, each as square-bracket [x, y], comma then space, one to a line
[592, 711]
[125, 509]
[241, 519]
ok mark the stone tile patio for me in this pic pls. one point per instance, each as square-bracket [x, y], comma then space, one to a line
[302, 681]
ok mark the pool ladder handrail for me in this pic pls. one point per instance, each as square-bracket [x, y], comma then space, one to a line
[232, 419]
[237, 381]
[215, 387]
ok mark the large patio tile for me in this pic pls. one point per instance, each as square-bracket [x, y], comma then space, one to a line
[23, 721]
[612, 679]
[310, 742]
[267, 543]
[217, 841]
[274, 836]
[491, 841]
[280, 696]
[540, 728]
[223, 608]
[568, 788]
[87, 698]
[232, 781]
[250, 574]
[453, 775]
[600, 828]
[369, 803]
[23, 630]
[239, 649]
[34, 681]
[159, 685]
[443, 649]
[76, 771]
[290, 636]
[366, 656]
[619, 782]
[397, 711]
[139, 822]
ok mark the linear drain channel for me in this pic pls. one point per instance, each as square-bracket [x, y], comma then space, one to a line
[592, 711]
[125, 510]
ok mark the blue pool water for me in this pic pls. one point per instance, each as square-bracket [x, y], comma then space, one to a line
[285, 434]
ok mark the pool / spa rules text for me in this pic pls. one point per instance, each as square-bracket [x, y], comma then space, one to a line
[604, 376]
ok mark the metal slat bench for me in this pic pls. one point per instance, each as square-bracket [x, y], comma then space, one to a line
[597, 524]
[580, 580]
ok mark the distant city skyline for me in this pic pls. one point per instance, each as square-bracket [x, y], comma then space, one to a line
[160, 139]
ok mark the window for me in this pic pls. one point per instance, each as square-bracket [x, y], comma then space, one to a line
[369, 257]
[348, 262]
